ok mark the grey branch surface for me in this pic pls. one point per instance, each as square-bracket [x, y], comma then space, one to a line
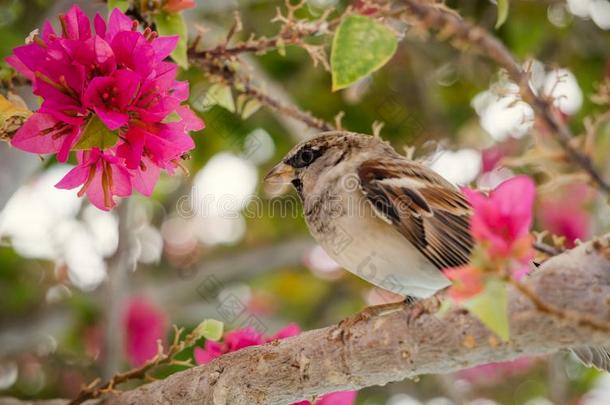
[401, 345]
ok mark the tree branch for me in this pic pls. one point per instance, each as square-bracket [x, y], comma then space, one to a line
[450, 25]
[403, 344]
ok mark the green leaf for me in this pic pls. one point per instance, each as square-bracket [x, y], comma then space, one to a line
[503, 6]
[96, 135]
[360, 47]
[220, 94]
[174, 24]
[491, 307]
[210, 329]
[172, 117]
[247, 106]
[122, 5]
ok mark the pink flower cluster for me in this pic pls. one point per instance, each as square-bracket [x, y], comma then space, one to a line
[500, 225]
[144, 325]
[109, 95]
[240, 338]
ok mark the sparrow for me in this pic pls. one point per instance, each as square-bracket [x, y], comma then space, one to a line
[388, 219]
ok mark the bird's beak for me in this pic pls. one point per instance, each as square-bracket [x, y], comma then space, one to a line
[278, 179]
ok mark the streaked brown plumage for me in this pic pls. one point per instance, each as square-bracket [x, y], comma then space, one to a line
[410, 220]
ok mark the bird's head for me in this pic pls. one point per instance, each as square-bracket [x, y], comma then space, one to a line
[316, 158]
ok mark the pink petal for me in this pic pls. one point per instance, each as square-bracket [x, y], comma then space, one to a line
[103, 55]
[68, 143]
[133, 149]
[94, 92]
[94, 55]
[53, 98]
[112, 119]
[32, 56]
[338, 398]
[181, 90]
[190, 120]
[118, 22]
[169, 144]
[95, 192]
[78, 25]
[241, 338]
[121, 179]
[55, 109]
[100, 25]
[134, 51]
[28, 138]
[291, 330]
[158, 111]
[47, 31]
[165, 75]
[202, 356]
[144, 181]
[20, 67]
[74, 178]
[164, 46]
[515, 198]
[128, 84]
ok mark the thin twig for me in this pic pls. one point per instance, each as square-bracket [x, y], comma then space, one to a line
[547, 249]
[577, 318]
[141, 373]
[244, 86]
[289, 110]
[447, 22]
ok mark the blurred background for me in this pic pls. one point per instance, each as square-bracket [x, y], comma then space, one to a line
[213, 244]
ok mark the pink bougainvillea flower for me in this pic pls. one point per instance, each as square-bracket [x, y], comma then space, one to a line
[110, 96]
[496, 373]
[564, 213]
[101, 176]
[144, 325]
[238, 339]
[175, 6]
[119, 75]
[246, 337]
[467, 282]
[43, 134]
[502, 220]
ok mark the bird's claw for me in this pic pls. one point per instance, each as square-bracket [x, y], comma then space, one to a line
[344, 328]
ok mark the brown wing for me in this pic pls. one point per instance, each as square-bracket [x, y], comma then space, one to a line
[425, 208]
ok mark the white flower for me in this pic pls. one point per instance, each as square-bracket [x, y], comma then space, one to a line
[562, 86]
[579, 8]
[597, 10]
[600, 13]
[502, 112]
[459, 167]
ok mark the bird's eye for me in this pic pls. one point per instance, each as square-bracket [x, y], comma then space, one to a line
[304, 157]
[307, 156]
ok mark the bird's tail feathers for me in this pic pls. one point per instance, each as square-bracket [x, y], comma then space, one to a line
[598, 356]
